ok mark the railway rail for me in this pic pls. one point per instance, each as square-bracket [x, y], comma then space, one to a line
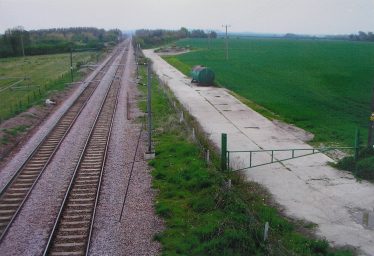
[15, 193]
[71, 233]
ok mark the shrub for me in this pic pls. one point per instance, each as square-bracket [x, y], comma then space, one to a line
[366, 152]
[365, 168]
[347, 164]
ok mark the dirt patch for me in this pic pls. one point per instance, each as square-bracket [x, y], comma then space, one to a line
[172, 53]
[171, 50]
[306, 136]
[299, 133]
[15, 131]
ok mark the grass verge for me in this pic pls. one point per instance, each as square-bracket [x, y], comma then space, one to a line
[12, 133]
[203, 216]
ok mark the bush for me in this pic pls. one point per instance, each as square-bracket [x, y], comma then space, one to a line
[365, 168]
[319, 246]
[347, 164]
[366, 152]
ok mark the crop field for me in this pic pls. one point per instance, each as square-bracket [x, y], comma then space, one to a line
[43, 73]
[324, 87]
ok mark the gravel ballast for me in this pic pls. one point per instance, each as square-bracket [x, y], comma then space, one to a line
[18, 159]
[30, 230]
[133, 234]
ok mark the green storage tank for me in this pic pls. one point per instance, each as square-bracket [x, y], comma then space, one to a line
[202, 75]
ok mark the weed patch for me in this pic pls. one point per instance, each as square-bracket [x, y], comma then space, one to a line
[9, 134]
[363, 168]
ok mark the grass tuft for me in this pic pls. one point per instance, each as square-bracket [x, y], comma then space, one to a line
[363, 168]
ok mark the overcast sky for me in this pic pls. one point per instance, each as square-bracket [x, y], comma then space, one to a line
[265, 16]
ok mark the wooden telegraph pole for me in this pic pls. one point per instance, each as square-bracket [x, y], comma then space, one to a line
[371, 124]
[226, 41]
[71, 62]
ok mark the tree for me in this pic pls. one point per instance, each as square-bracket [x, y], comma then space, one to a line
[183, 32]
[198, 33]
[370, 37]
[17, 38]
[362, 36]
[212, 34]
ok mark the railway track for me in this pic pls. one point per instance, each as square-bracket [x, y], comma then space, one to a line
[15, 193]
[71, 233]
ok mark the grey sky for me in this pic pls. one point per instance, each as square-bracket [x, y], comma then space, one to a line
[273, 16]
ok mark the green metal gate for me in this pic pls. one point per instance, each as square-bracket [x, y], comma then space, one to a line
[227, 154]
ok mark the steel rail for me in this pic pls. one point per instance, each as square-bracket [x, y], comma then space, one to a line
[78, 165]
[48, 160]
[101, 175]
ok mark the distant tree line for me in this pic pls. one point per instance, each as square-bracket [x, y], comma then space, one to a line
[361, 36]
[17, 41]
[151, 38]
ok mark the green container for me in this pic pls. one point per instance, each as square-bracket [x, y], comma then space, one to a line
[202, 75]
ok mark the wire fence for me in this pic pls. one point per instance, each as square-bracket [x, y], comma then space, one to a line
[22, 94]
[34, 95]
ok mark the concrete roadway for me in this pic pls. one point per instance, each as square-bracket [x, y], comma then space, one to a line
[307, 188]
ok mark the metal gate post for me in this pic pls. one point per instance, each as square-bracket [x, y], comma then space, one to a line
[228, 160]
[149, 106]
[224, 151]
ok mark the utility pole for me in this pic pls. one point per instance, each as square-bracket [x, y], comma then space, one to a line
[23, 52]
[227, 42]
[71, 62]
[209, 34]
[23, 48]
[137, 52]
[371, 123]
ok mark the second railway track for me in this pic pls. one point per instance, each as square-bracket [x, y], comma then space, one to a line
[72, 230]
[16, 191]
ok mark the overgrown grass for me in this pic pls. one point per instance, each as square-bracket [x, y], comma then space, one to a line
[46, 72]
[202, 215]
[321, 86]
[11, 133]
[363, 168]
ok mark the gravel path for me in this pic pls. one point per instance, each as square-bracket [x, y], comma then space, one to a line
[134, 234]
[29, 232]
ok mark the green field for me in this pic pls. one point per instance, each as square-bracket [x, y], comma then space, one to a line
[45, 73]
[322, 86]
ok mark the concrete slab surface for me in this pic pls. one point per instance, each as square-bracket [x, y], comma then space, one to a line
[307, 187]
